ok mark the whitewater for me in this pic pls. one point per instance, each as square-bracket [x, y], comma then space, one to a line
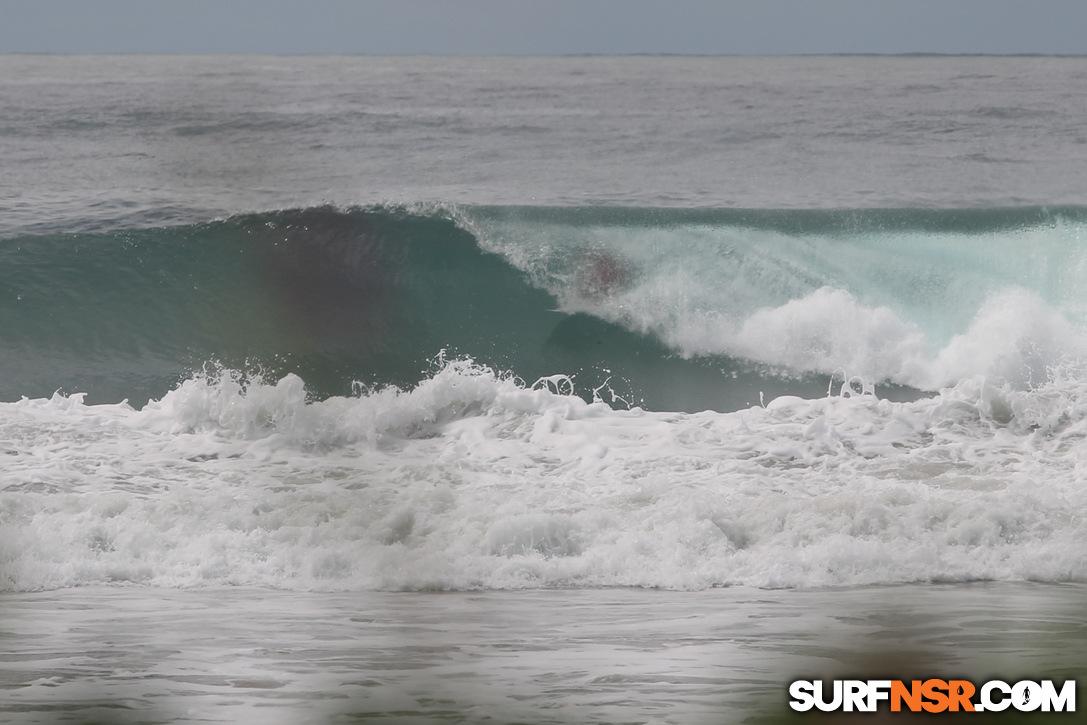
[474, 481]
[538, 390]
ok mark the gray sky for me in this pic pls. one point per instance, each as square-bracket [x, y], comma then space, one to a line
[502, 27]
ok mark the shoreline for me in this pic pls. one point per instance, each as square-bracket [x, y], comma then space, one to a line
[134, 654]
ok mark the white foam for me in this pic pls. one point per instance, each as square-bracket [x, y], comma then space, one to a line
[1015, 336]
[474, 480]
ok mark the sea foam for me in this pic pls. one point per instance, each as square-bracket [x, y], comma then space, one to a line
[476, 480]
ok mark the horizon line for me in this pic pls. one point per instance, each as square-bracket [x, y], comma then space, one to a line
[908, 54]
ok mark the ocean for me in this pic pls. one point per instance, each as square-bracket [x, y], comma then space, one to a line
[536, 390]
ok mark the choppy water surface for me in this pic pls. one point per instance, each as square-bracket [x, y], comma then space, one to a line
[102, 141]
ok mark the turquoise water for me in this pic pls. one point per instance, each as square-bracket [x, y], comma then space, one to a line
[675, 309]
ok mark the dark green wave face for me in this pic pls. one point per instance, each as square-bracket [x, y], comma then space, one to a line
[374, 295]
[337, 297]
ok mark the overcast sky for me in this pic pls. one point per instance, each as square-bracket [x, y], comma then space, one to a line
[503, 27]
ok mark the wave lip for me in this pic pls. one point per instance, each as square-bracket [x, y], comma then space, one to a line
[916, 298]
